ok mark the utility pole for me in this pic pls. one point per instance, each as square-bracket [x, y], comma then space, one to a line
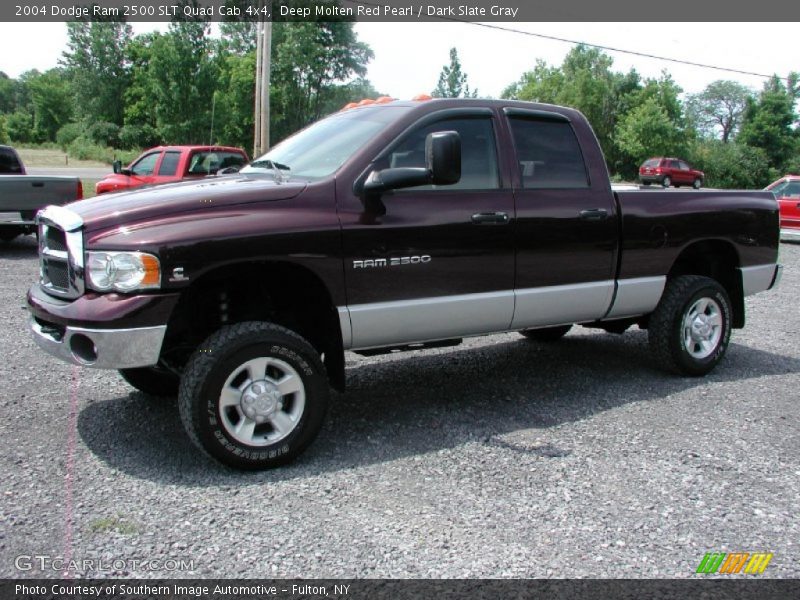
[263, 71]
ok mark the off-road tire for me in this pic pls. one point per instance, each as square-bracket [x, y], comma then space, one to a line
[152, 381]
[225, 353]
[546, 334]
[668, 331]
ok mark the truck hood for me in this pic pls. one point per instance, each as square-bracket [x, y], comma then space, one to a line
[152, 203]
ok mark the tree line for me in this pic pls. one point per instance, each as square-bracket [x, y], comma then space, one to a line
[114, 89]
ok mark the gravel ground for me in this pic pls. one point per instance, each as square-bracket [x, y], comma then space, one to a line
[497, 458]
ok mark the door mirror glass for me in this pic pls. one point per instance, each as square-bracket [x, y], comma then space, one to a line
[117, 166]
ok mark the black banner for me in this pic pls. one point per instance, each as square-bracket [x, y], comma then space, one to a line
[397, 10]
[375, 589]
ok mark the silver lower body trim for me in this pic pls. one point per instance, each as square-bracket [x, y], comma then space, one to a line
[562, 304]
[103, 348]
[758, 278]
[425, 319]
[637, 296]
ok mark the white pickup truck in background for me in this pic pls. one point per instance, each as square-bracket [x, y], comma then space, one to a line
[21, 195]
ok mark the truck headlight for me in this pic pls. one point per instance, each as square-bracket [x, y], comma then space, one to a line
[122, 271]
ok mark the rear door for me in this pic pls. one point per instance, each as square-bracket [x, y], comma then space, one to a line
[440, 262]
[566, 228]
[687, 176]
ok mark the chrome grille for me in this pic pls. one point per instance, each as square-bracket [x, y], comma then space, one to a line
[60, 252]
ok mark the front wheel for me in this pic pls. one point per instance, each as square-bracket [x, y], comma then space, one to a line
[697, 184]
[253, 395]
[690, 328]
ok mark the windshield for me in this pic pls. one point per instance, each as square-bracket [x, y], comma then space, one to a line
[320, 149]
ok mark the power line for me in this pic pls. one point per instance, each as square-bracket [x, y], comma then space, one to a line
[620, 50]
[598, 46]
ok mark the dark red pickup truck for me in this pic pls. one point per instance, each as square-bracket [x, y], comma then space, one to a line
[386, 227]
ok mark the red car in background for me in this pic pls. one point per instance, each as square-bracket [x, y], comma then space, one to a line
[670, 171]
[166, 164]
[787, 192]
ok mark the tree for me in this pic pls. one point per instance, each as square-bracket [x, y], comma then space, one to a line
[452, 81]
[649, 131]
[98, 69]
[51, 100]
[7, 93]
[308, 60]
[731, 164]
[768, 122]
[4, 139]
[717, 111]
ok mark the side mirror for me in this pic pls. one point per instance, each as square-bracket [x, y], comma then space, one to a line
[117, 166]
[228, 171]
[442, 166]
[443, 157]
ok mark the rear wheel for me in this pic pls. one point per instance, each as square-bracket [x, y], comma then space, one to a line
[690, 328]
[667, 182]
[254, 395]
[646, 183]
[152, 381]
[546, 334]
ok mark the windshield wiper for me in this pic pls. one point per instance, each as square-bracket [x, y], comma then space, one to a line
[270, 164]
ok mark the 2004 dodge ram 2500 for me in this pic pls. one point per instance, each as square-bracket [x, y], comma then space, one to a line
[377, 228]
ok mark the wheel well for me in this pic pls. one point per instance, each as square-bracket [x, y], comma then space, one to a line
[282, 293]
[719, 261]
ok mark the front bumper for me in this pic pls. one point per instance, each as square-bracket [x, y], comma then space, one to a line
[101, 348]
[104, 331]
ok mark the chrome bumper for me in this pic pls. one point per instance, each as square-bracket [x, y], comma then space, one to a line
[102, 348]
[790, 234]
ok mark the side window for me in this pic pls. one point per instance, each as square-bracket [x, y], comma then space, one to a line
[146, 165]
[548, 153]
[169, 164]
[478, 153]
[685, 166]
[674, 164]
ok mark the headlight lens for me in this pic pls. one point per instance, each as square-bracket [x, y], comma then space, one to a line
[122, 271]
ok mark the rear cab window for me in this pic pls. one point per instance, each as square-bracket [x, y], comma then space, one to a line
[208, 162]
[10, 163]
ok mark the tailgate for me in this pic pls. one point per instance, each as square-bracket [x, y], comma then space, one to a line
[26, 193]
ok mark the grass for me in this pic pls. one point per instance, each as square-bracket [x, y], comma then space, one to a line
[112, 525]
[46, 157]
[88, 187]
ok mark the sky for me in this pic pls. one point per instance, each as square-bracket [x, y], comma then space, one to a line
[409, 56]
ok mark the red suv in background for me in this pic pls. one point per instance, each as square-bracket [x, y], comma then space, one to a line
[670, 171]
[166, 164]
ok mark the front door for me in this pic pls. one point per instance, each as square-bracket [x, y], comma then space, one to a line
[440, 262]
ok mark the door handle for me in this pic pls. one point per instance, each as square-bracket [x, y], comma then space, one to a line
[38, 184]
[594, 214]
[490, 218]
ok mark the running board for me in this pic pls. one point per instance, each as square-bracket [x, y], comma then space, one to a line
[409, 347]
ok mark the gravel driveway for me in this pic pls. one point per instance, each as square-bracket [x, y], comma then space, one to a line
[497, 458]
